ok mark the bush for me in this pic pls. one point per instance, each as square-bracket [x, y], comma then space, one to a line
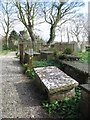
[87, 49]
[18, 55]
[57, 54]
[25, 66]
[68, 51]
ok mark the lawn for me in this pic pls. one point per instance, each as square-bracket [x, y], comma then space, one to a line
[4, 52]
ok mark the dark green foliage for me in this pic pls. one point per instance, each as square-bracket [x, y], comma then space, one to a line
[14, 35]
[69, 108]
[12, 40]
[87, 48]
[68, 51]
[31, 74]
[85, 57]
[45, 63]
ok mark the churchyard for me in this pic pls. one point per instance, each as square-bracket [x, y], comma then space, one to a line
[44, 60]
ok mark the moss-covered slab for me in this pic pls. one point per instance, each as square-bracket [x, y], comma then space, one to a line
[55, 81]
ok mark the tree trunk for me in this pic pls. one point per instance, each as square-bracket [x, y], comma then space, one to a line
[7, 44]
[52, 34]
[32, 37]
[68, 35]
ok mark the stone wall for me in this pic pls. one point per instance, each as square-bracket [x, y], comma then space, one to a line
[62, 46]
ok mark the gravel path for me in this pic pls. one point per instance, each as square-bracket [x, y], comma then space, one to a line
[19, 97]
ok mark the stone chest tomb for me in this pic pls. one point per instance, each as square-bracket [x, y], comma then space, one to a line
[55, 82]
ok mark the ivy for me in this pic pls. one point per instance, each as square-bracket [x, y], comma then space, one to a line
[67, 108]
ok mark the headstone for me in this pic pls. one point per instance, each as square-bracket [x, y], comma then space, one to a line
[55, 82]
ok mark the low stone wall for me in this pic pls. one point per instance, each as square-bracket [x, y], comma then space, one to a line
[55, 83]
[62, 46]
[73, 69]
[85, 101]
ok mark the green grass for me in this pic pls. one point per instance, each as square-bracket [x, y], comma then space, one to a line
[85, 57]
[4, 52]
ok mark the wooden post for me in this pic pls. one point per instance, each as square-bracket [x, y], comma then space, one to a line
[21, 52]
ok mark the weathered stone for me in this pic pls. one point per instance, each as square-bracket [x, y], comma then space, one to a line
[61, 95]
[46, 55]
[36, 56]
[77, 70]
[57, 84]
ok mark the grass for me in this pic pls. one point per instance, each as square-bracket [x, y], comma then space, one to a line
[85, 57]
[4, 52]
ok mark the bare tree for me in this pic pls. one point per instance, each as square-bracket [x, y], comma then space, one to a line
[86, 30]
[6, 20]
[27, 12]
[68, 35]
[58, 13]
[77, 28]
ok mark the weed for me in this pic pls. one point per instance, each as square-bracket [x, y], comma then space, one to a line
[84, 57]
[18, 55]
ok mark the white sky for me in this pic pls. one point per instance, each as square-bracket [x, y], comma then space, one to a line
[44, 28]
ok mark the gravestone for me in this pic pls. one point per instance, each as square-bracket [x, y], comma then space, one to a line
[55, 83]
